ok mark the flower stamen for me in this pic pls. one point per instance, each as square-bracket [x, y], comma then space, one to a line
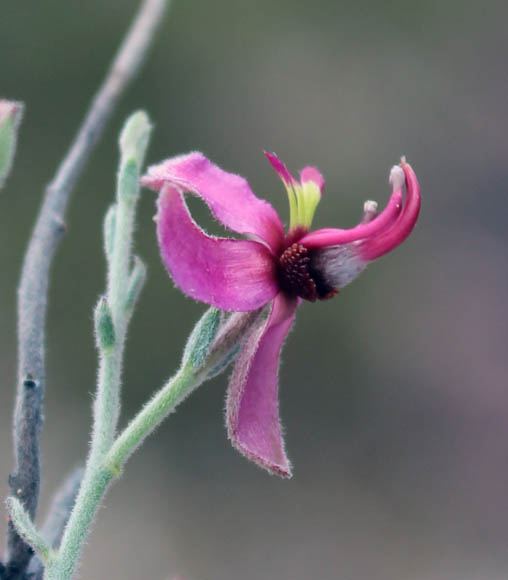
[298, 278]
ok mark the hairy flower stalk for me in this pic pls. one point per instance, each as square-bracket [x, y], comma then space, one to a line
[270, 268]
[212, 346]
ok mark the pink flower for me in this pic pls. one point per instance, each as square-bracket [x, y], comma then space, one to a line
[269, 266]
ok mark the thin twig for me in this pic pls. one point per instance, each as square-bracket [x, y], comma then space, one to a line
[32, 294]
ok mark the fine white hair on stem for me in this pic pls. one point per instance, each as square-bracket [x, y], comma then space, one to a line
[33, 287]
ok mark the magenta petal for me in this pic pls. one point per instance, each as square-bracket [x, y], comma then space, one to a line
[333, 237]
[229, 274]
[252, 409]
[229, 196]
[389, 239]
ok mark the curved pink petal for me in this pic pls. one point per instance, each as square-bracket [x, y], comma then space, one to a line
[229, 274]
[252, 409]
[229, 196]
[390, 238]
[333, 237]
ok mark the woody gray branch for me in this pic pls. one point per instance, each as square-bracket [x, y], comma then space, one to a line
[32, 294]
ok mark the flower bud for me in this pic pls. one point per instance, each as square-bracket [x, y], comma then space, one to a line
[201, 339]
[134, 138]
[216, 339]
[230, 336]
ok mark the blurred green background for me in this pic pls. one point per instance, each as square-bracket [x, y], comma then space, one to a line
[393, 395]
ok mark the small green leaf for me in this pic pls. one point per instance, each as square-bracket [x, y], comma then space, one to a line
[104, 326]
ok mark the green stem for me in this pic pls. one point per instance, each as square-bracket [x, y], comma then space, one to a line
[106, 405]
[150, 416]
[100, 476]
[211, 346]
[96, 479]
[62, 566]
[120, 263]
[209, 350]
[111, 320]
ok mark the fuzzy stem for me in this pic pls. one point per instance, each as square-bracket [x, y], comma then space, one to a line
[106, 405]
[211, 347]
[151, 416]
[98, 479]
[63, 565]
[33, 288]
[58, 516]
[101, 473]
[112, 315]
[61, 507]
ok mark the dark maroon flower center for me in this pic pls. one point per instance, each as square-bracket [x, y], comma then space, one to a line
[298, 278]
